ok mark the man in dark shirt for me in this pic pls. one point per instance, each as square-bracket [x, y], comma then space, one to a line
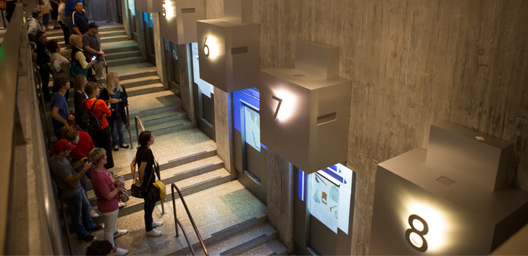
[41, 58]
[79, 20]
[92, 47]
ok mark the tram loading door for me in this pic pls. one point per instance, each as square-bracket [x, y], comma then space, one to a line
[249, 152]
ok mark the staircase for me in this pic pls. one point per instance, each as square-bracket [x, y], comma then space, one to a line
[230, 219]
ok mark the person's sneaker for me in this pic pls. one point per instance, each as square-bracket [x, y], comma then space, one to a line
[93, 213]
[88, 238]
[156, 224]
[97, 227]
[153, 233]
[120, 232]
[120, 251]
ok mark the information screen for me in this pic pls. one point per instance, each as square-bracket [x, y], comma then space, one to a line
[252, 127]
[328, 196]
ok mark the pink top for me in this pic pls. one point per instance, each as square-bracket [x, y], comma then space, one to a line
[103, 184]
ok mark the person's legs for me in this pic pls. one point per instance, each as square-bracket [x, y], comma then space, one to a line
[107, 145]
[74, 204]
[10, 9]
[114, 132]
[45, 76]
[54, 14]
[45, 20]
[149, 209]
[88, 222]
[120, 128]
[110, 220]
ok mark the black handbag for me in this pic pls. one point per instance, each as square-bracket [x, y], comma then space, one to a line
[151, 193]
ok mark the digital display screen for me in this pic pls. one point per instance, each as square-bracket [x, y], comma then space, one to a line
[328, 196]
[205, 87]
[252, 127]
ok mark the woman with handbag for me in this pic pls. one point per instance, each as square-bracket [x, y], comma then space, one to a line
[80, 65]
[145, 161]
[116, 96]
[107, 192]
[101, 137]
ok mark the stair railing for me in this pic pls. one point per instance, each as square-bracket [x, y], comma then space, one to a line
[42, 107]
[174, 187]
[156, 163]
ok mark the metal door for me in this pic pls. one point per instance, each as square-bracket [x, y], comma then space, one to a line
[249, 151]
[172, 66]
[203, 95]
[148, 32]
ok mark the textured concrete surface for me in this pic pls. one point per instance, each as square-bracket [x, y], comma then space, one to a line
[411, 63]
[227, 205]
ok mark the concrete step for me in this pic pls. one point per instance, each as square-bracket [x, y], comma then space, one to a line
[145, 89]
[128, 76]
[152, 120]
[187, 186]
[219, 212]
[164, 128]
[274, 247]
[242, 242]
[136, 68]
[118, 38]
[124, 61]
[121, 46]
[59, 37]
[135, 82]
[122, 55]
[171, 150]
[102, 29]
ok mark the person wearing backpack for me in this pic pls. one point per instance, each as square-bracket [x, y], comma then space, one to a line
[101, 137]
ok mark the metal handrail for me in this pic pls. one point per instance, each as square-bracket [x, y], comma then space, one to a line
[156, 163]
[173, 186]
[63, 213]
[43, 107]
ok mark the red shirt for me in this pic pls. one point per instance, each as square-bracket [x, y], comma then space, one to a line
[103, 184]
[84, 146]
[99, 109]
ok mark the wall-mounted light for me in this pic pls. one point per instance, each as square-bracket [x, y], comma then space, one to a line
[210, 48]
[285, 107]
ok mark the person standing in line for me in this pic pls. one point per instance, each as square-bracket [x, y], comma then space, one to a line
[41, 60]
[71, 191]
[45, 6]
[69, 8]
[116, 95]
[107, 192]
[84, 144]
[79, 19]
[34, 25]
[81, 65]
[101, 137]
[92, 47]
[79, 96]
[54, 13]
[60, 65]
[63, 24]
[59, 107]
[145, 162]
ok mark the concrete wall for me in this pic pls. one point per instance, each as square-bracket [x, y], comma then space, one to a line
[411, 63]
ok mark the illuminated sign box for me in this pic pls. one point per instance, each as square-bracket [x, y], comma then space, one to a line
[484, 159]
[229, 53]
[149, 6]
[178, 20]
[421, 208]
[305, 118]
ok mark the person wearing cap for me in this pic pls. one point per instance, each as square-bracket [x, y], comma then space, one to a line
[92, 47]
[34, 24]
[79, 19]
[70, 189]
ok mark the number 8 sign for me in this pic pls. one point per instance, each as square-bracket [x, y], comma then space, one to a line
[415, 235]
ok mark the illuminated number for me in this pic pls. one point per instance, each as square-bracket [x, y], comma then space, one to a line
[278, 106]
[206, 48]
[415, 235]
